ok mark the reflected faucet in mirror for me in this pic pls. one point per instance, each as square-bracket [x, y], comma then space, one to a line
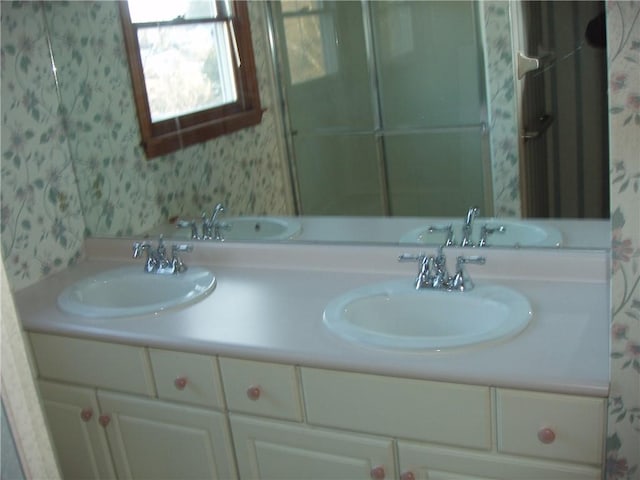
[211, 226]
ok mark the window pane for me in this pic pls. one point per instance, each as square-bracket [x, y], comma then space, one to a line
[187, 68]
[291, 6]
[143, 11]
[311, 47]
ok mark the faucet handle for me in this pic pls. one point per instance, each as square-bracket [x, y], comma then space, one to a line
[139, 247]
[461, 280]
[448, 229]
[183, 247]
[485, 231]
[189, 224]
[425, 269]
[410, 257]
[177, 265]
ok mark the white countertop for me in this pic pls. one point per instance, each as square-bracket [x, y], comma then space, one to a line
[269, 301]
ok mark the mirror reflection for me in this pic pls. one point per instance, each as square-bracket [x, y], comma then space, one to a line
[429, 156]
[413, 108]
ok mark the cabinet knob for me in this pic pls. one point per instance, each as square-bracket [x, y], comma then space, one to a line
[546, 435]
[86, 414]
[253, 392]
[104, 420]
[408, 476]
[180, 383]
[377, 473]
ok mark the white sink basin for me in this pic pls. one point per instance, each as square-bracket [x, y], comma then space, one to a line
[517, 233]
[129, 291]
[395, 315]
[260, 228]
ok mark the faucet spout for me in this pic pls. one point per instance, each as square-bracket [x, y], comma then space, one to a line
[471, 215]
[467, 228]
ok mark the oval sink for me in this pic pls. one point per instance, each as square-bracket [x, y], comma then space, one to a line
[396, 315]
[260, 228]
[517, 233]
[129, 291]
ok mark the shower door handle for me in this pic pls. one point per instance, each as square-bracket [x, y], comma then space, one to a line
[528, 64]
[544, 122]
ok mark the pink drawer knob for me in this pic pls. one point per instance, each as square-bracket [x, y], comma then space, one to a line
[546, 435]
[407, 476]
[104, 420]
[253, 392]
[377, 473]
[180, 383]
[86, 414]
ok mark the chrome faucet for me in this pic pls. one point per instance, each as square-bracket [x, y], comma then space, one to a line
[157, 261]
[461, 282]
[448, 229]
[211, 226]
[485, 231]
[433, 273]
[467, 228]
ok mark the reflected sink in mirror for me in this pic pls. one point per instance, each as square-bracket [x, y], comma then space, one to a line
[249, 228]
[130, 291]
[397, 316]
[260, 228]
[516, 233]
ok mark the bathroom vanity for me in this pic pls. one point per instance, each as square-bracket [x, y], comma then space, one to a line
[249, 383]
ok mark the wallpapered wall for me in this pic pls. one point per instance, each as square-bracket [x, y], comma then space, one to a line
[501, 98]
[78, 146]
[42, 222]
[623, 441]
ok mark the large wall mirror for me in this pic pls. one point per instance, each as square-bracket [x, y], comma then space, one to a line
[411, 111]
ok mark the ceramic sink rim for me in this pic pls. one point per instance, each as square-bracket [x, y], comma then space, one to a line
[511, 306]
[93, 296]
[546, 235]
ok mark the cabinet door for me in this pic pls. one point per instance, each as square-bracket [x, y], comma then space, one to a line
[80, 442]
[277, 450]
[154, 439]
[422, 462]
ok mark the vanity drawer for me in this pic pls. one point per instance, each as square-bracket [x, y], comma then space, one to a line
[561, 427]
[413, 409]
[187, 377]
[261, 388]
[97, 364]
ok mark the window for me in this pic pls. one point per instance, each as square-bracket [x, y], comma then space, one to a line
[310, 38]
[192, 70]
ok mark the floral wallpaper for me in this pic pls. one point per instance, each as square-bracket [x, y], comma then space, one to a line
[42, 226]
[70, 142]
[122, 192]
[623, 439]
[501, 95]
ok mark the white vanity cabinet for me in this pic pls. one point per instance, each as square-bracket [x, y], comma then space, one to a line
[107, 421]
[140, 412]
[448, 431]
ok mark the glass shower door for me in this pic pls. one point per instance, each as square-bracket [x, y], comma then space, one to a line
[326, 78]
[386, 106]
[432, 106]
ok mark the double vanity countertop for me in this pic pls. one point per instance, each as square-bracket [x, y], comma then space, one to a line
[269, 300]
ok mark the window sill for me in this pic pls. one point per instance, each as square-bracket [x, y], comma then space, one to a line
[171, 142]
